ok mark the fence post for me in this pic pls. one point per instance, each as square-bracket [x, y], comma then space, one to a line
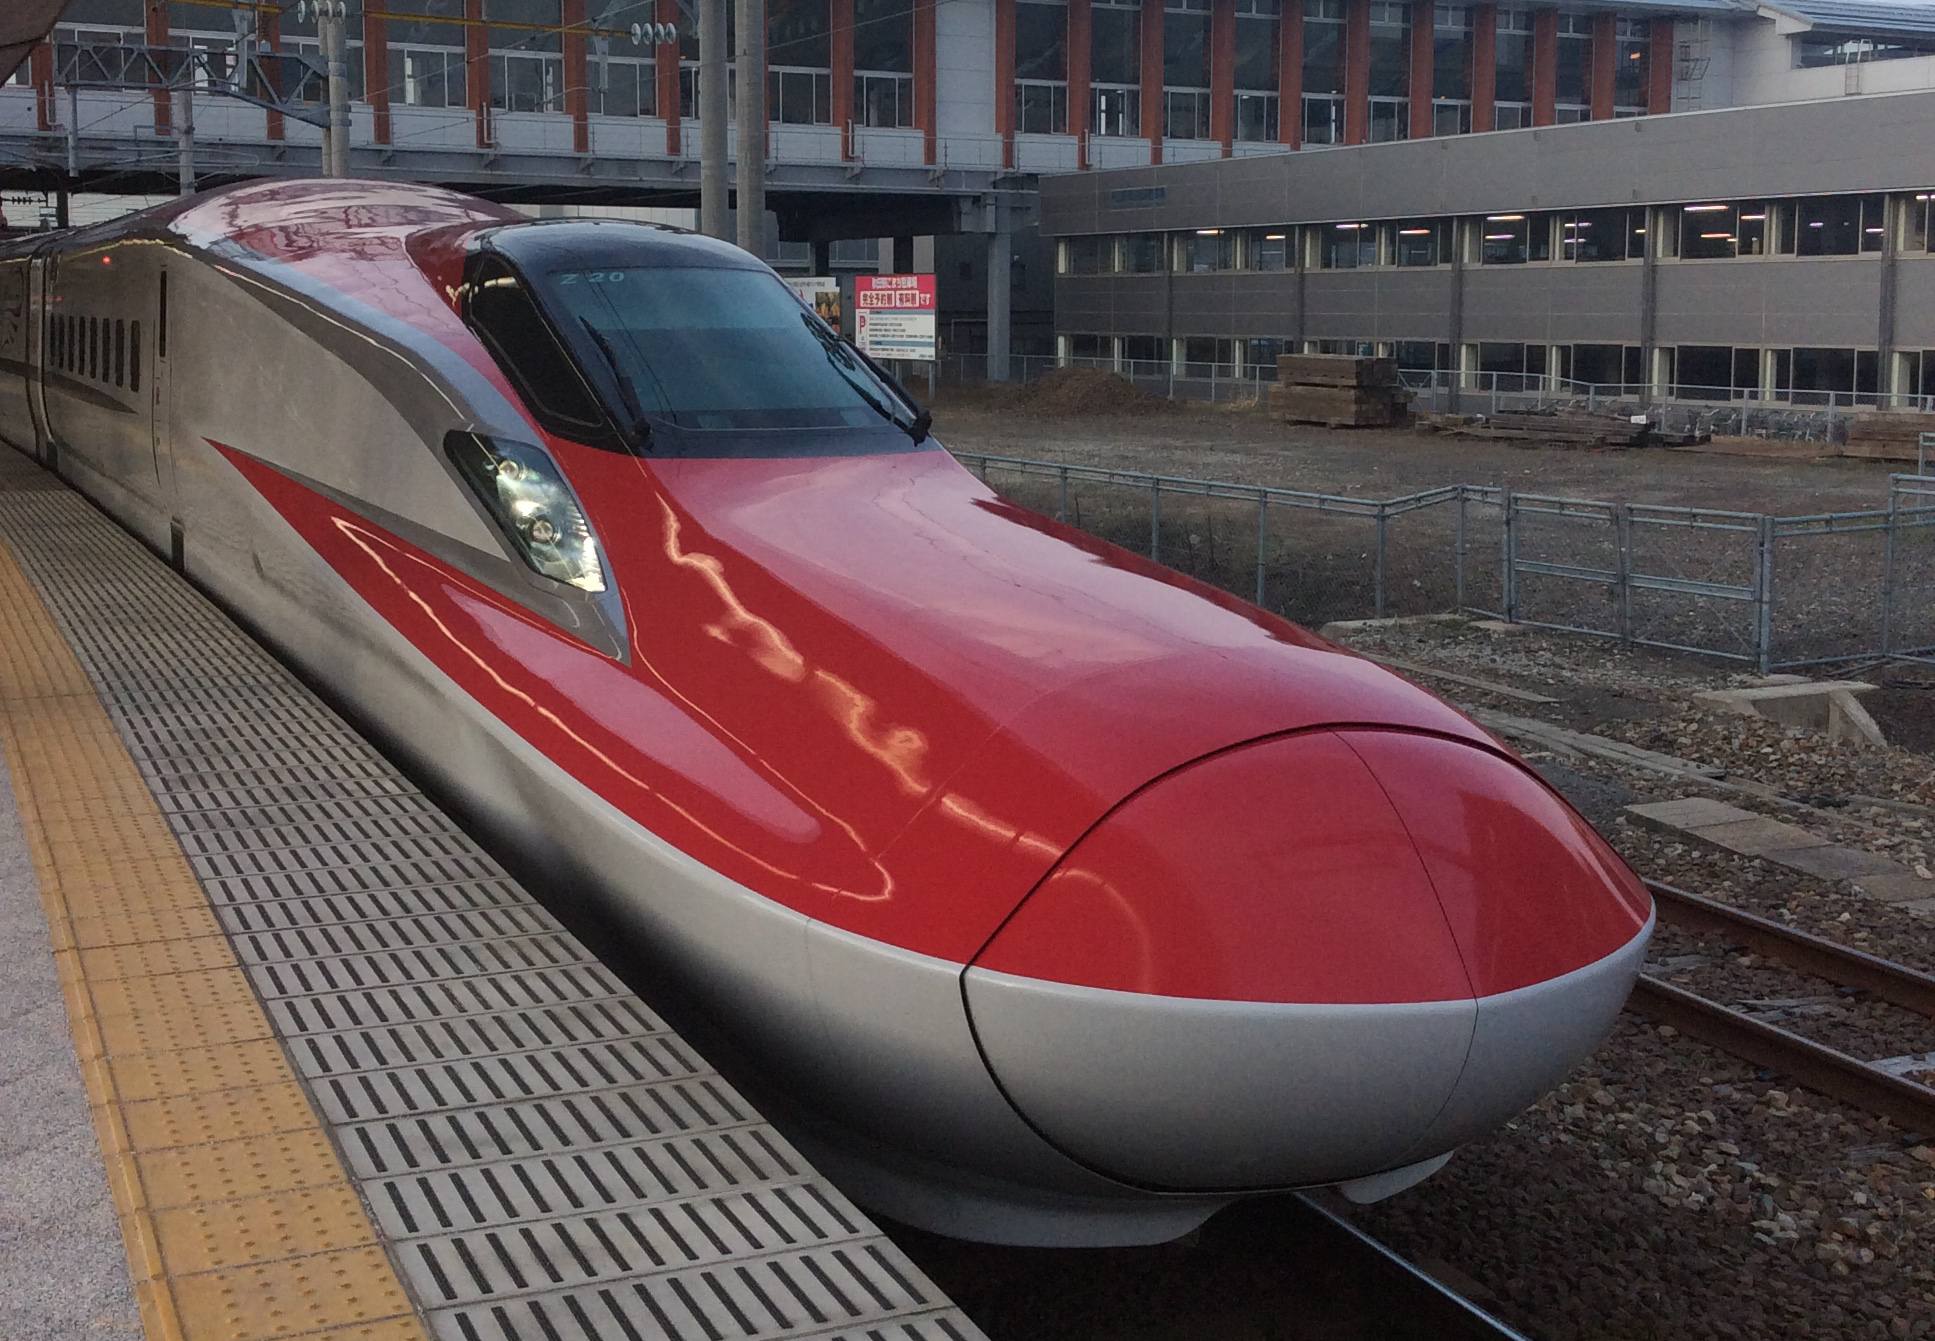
[1383, 525]
[1061, 504]
[1155, 518]
[1458, 551]
[1623, 526]
[1262, 539]
[1888, 576]
[1764, 605]
[1508, 559]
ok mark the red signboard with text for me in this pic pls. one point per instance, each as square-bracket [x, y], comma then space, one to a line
[894, 316]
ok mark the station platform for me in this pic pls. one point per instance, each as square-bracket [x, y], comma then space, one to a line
[346, 1077]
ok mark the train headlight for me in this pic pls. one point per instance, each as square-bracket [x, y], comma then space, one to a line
[523, 490]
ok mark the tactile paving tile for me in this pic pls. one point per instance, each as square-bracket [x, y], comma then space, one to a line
[547, 1161]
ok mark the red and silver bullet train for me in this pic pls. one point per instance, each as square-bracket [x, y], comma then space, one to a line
[1067, 898]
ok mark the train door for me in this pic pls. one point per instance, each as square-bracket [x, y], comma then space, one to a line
[41, 307]
[160, 418]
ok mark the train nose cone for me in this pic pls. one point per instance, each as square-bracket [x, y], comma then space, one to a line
[1259, 971]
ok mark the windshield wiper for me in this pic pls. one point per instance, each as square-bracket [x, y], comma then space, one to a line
[641, 429]
[837, 352]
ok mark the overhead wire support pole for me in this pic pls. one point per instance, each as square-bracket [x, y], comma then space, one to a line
[714, 110]
[751, 98]
[330, 17]
[185, 139]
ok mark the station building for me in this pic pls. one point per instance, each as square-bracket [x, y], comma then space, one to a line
[916, 133]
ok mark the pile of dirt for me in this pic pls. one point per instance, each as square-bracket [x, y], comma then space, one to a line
[1086, 391]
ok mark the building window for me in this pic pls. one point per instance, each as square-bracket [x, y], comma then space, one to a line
[622, 87]
[426, 58]
[1115, 69]
[1823, 376]
[1323, 71]
[1345, 246]
[1041, 68]
[1270, 250]
[1715, 372]
[1813, 49]
[1141, 254]
[883, 63]
[1422, 242]
[1421, 355]
[1204, 356]
[1451, 56]
[1092, 349]
[1606, 365]
[1256, 70]
[1088, 256]
[1145, 354]
[1390, 76]
[1513, 239]
[1838, 225]
[1260, 358]
[1513, 70]
[799, 62]
[1633, 66]
[1573, 69]
[526, 67]
[1205, 250]
[1603, 235]
[1185, 70]
[1917, 216]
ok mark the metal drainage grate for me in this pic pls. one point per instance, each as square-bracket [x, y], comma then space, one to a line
[548, 1161]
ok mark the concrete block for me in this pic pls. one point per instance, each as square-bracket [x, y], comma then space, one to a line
[1840, 863]
[1815, 705]
[1499, 626]
[1926, 907]
[1906, 888]
[1691, 813]
[1757, 837]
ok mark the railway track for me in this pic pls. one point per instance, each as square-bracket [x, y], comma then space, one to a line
[1820, 1068]
[1370, 1292]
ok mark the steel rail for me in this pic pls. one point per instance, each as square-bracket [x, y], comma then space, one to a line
[1385, 1297]
[1826, 1070]
[1894, 983]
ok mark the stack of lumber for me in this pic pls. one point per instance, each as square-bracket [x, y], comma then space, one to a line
[1888, 435]
[1558, 428]
[1338, 390]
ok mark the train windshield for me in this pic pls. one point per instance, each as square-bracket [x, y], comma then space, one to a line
[711, 361]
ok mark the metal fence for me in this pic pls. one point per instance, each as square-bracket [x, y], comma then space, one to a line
[1799, 414]
[1772, 592]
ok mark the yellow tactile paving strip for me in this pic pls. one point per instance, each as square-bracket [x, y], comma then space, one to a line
[238, 1217]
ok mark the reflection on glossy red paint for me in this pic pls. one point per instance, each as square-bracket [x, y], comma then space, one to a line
[1530, 890]
[1274, 872]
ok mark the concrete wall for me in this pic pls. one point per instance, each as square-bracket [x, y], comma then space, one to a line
[1853, 144]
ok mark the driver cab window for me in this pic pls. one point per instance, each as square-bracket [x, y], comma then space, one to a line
[500, 310]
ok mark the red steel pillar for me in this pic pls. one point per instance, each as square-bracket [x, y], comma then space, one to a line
[1081, 42]
[840, 12]
[1659, 68]
[1222, 73]
[1423, 29]
[1605, 63]
[477, 69]
[1290, 75]
[1004, 78]
[155, 25]
[925, 61]
[1152, 77]
[1357, 71]
[1545, 67]
[376, 70]
[1484, 67]
[665, 73]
